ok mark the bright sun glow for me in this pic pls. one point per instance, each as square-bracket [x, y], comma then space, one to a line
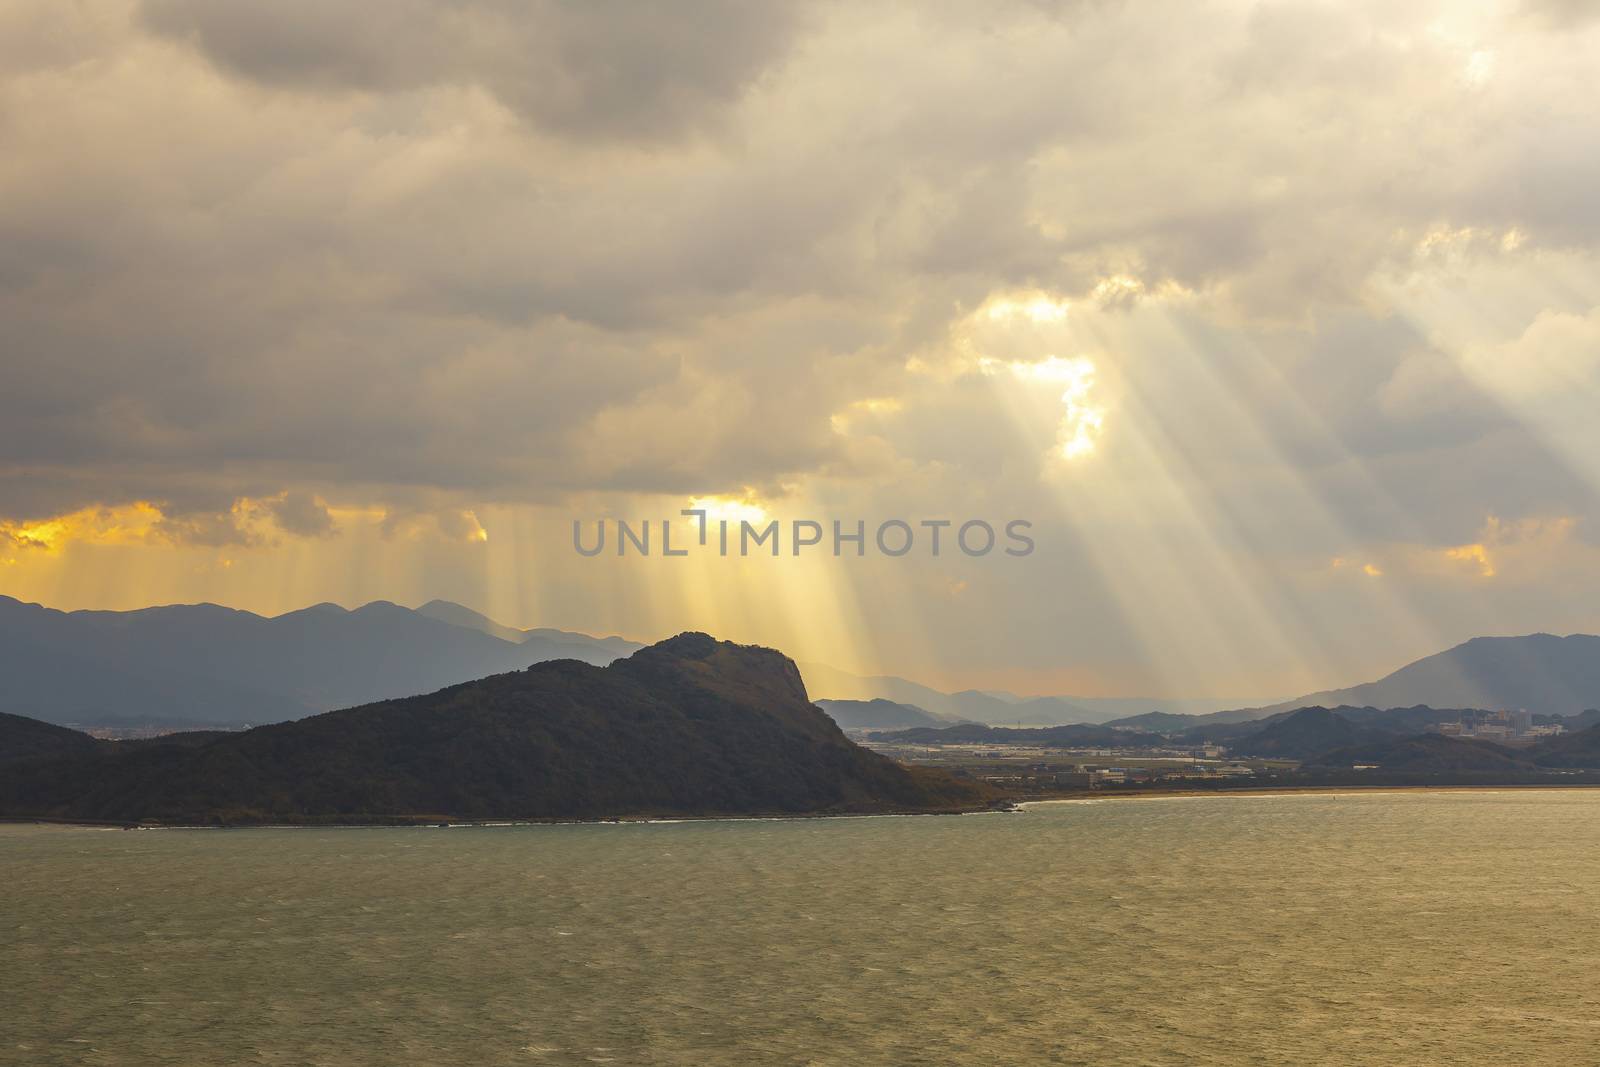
[1037, 307]
[125, 524]
[1081, 421]
[733, 510]
[1475, 554]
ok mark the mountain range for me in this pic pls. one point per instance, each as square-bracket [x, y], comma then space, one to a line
[187, 665]
[689, 726]
[879, 714]
[204, 664]
[201, 664]
[1070, 735]
[1000, 708]
[1541, 673]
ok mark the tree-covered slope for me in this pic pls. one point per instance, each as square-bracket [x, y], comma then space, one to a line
[688, 726]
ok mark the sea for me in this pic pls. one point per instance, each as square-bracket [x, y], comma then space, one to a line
[1355, 928]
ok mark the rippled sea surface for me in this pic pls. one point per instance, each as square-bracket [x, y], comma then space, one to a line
[1406, 928]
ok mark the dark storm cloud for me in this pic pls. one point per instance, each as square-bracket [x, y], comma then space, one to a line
[595, 70]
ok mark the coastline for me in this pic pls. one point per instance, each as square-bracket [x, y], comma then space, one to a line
[1297, 791]
[1015, 806]
[443, 822]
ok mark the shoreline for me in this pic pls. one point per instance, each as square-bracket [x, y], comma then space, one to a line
[1296, 791]
[442, 823]
[1015, 806]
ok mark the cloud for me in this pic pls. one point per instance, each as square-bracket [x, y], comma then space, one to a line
[1549, 378]
[1430, 386]
[138, 523]
[1560, 14]
[585, 71]
[423, 258]
[1555, 360]
[301, 513]
[1476, 554]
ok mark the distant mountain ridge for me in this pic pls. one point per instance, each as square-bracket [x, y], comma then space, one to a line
[1071, 735]
[834, 684]
[688, 726]
[878, 714]
[582, 645]
[1162, 722]
[999, 708]
[1324, 740]
[1402, 740]
[201, 663]
[1541, 673]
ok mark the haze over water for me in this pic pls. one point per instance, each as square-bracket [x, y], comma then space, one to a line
[1382, 928]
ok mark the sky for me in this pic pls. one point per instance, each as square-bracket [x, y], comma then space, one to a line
[1279, 323]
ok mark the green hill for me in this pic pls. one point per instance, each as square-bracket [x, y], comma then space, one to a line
[1427, 754]
[22, 738]
[690, 726]
[1305, 733]
[1581, 749]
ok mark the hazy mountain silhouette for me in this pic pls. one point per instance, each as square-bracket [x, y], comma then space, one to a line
[202, 663]
[1000, 708]
[207, 664]
[971, 704]
[878, 714]
[688, 726]
[1541, 673]
[581, 646]
[1120, 710]
[1165, 722]
[1072, 735]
